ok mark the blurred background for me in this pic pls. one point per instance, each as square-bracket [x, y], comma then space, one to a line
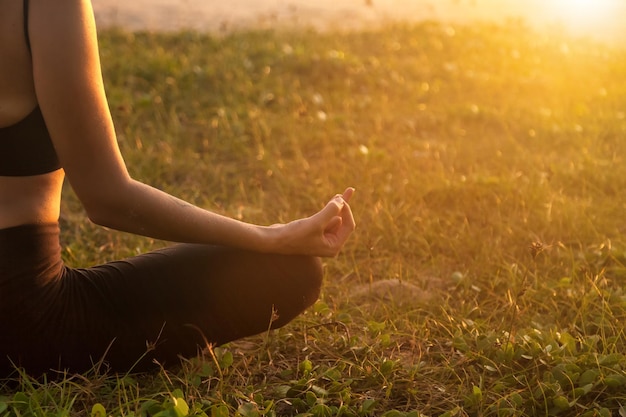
[600, 19]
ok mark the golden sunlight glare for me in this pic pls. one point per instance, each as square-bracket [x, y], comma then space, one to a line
[585, 14]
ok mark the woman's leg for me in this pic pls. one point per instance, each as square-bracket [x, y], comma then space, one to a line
[157, 305]
[188, 295]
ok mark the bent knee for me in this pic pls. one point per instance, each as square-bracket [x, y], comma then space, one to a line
[300, 291]
[312, 280]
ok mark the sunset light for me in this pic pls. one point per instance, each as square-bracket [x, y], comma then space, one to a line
[585, 14]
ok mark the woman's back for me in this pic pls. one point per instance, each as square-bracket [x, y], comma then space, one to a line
[24, 199]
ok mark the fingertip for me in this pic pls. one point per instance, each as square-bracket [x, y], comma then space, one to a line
[347, 194]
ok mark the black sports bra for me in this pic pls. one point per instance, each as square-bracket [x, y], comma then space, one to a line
[26, 147]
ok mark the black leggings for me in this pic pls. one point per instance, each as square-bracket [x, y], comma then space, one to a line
[154, 306]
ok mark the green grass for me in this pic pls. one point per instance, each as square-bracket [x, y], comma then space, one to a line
[491, 184]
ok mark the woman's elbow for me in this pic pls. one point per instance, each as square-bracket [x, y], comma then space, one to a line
[100, 215]
[105, 208]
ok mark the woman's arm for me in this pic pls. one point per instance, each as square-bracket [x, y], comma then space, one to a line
[71, 95]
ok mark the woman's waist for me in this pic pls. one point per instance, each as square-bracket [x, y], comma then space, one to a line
[29, 247]
[29, 200]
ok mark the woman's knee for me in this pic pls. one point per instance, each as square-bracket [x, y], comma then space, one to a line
[300, 290]
[310, 279]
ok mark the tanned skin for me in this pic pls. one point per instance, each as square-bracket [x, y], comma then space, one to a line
[63, 76]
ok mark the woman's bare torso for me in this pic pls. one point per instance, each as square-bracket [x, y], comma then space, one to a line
[31, 199]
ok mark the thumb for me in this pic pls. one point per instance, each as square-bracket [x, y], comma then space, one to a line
[347, 194]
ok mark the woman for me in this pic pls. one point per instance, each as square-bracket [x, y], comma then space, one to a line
[224, 280]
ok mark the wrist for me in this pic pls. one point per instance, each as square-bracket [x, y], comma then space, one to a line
[270, 238]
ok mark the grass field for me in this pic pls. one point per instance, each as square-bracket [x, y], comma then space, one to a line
[485, 277]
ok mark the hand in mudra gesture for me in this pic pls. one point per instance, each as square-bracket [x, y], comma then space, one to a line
[322, 234]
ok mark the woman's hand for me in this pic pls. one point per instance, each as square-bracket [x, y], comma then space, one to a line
[322, 234]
